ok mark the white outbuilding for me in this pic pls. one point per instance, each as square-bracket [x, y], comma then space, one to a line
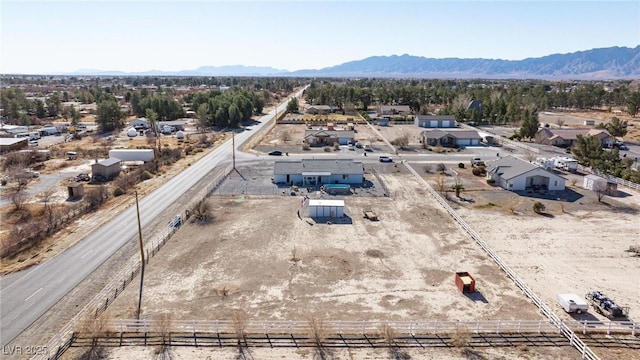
[326, 208]
[132, 132]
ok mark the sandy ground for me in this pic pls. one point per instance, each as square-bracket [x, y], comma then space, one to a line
[401, 267]
[290, 136]
[350, 354]
[579, 246]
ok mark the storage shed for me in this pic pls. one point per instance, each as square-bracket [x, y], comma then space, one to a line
[599, 184]
[75, 190]
[326, 208]
[106, 169]
[465, 282]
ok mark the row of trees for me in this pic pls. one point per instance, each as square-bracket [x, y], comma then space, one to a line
[502, 100]
[226, 109]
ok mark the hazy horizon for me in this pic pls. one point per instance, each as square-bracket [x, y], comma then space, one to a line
[137, 36]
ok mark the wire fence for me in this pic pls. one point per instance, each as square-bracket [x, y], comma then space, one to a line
[117, 285]
[566, 331]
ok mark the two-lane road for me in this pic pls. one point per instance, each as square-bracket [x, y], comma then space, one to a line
[26, 296]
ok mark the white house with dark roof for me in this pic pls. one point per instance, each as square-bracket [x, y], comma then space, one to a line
[435, 121]
[328, 137]
[319, 109]
[450, 138]
[514, 174]
[313, 172]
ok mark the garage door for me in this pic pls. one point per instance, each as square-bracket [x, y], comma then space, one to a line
[446, 123]
[433, 123]
[464, 142]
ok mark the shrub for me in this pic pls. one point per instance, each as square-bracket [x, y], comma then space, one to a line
[118, 191]
[538, 207]
[306, 146]
[441, 168]
[327, 148]
[491, 181]
[461, 165]
[479, 171]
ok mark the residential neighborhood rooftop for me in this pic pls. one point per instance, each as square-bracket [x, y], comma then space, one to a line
[338, 166]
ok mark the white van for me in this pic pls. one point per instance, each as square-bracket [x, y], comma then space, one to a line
[572, 303]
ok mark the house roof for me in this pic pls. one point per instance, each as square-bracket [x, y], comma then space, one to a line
[321, 202]
[108, 162]
[510, 167]
[172, 123]
[12, 140]
[458, 134]
[572, 134]
[332, 133]
[333, 166]
[319, 107]
[397, 108]
[435, 117]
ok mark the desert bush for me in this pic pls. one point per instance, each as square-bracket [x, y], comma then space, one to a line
[336, 146]
[118, 191]
[285, 136]
[318, 333]
[538, 207]
[441, 168]
[427, 168]
[326, 148]
[491, 181]
[479, 171]
[461, 165]
[202, 212]
[401, 142]
[15, 160]
[306, 146]
[461, 337]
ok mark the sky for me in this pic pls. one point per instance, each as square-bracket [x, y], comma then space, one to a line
[45, 37]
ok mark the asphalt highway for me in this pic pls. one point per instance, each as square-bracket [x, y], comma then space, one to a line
[27, 295]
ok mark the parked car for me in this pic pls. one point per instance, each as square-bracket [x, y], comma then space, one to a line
[275, 153]
[358, 145]
[33, 143]
[83, 177]
[385, 159]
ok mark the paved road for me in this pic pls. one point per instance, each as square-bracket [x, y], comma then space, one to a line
[28, 295]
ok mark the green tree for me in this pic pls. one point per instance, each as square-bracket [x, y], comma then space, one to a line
[615, 127]
[633, 103]
[54, 104]
[530, 125]
[74, 115]
[202, 114]
[292, 105]
[109, 115]
[41, 111]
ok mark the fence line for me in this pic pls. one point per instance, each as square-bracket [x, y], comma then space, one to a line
[400, 328]
[117, 285]
[618, 181]
[384, 186]
[565, 330]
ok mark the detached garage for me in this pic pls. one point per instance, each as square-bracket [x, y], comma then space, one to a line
[326, 208]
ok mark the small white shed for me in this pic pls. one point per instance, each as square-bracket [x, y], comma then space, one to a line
[599, 184]
[326, 208]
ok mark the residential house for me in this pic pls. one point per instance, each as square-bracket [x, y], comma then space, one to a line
[435, 121]
[140, 123]
[319, 109]
[315, 172]
[568, 137]
[177, 125]
[515, 174]
[450, 138]
[328, 137]
[393, 110]
[106, 169]
[12, 144]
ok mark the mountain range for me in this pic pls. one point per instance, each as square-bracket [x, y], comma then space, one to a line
[595, 64]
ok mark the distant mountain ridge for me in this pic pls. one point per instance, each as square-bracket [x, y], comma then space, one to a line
[605, 63]
[596, 64]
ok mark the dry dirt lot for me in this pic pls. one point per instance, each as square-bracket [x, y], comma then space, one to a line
[395, 131]
[401, 267]
[577, 120]
[578, 246]
[288, 137]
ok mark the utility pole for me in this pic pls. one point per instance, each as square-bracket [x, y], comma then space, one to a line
[233, 148]
[141, 256]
